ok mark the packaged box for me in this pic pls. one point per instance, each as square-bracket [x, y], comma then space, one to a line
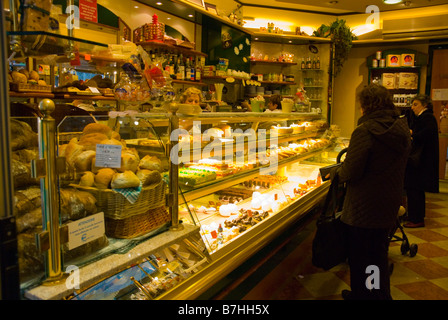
[407, 59]
[388, 80]
[393, 60]
[408, 80]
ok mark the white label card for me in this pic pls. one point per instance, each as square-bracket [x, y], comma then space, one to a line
[85, 230]
[94, 90]
[108, 156]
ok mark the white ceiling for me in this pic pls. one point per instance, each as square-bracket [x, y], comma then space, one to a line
[339, 6]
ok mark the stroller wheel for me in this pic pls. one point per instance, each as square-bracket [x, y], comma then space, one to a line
[413, 250]
[404, 247]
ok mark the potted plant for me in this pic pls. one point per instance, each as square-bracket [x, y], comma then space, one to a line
[342, 37]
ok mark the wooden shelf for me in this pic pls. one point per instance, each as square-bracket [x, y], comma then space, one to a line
[278, 82]
[273, 62]
[189, 82]
[36, 95]
[174, 48]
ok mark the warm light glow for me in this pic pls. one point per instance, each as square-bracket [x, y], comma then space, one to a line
[362, 29]
[392, 1]
[159, 3]
[257, 23]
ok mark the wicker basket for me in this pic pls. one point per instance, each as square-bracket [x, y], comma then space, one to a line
[137, 225]
[116, 206]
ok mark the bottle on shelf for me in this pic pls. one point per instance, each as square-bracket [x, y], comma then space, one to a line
[181, 68]
[198, 71]
[318, 63]
[308, 63]
[192, 70]
[303, 64]
[313, 66]
[187, 69]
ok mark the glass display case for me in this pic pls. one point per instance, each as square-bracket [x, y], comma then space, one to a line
[241, 180]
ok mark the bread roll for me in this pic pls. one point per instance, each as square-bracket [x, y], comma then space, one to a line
[97, 128]
[87, 179]
[83, 161]
[72, 151]
[18, 77]
[148, 177]
[129, 161]
[34, 75]
[112, 142]
[103, 178]
[115, 135]
[126, 179]
[151, 163]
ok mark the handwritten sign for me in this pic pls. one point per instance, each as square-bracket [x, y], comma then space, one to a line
[108, 156]
[85, 230]
[439, 94]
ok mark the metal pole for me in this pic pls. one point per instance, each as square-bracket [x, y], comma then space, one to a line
[174, 173]
[50, 195]
[9, 266]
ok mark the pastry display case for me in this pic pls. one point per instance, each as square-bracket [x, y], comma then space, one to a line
[242, 178]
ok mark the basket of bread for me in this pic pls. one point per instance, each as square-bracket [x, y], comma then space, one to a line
[133, 192]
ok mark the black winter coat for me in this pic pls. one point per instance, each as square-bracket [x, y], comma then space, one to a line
[374, 169]
[422, 171]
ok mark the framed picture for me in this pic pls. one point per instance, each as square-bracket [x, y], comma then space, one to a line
[211, 8]
[199, 3]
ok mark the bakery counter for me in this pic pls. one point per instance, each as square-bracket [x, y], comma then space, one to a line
[110, 266]
[240, 249]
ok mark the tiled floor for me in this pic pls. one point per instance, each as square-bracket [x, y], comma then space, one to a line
[422, 277]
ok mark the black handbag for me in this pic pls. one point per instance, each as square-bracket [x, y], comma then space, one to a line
[329, 245]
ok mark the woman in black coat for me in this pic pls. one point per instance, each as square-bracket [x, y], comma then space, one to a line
[422, 172]
[373, 171]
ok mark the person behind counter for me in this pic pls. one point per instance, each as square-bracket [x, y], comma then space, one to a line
[373, 171]
[422, 172]
[191, 96]
[274, 104]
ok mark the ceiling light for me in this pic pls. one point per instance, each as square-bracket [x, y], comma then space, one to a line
[190, 15]
[392, 1]
[159, 3]
[135, 7]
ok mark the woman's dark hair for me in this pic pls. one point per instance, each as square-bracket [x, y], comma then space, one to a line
[375, 97]
[276, 99]
[424, 99]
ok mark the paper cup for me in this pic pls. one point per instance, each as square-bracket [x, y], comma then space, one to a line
[287, 107]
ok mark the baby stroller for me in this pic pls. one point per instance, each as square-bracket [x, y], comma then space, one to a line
[393, 237]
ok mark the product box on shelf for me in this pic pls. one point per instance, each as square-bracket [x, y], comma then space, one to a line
[407, 59]
[407, 80]
[393, 60]
[388, 80]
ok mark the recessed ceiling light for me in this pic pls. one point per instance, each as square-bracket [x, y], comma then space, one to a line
[392, 1]
[159, 3]
[190, 15]
[168, 18]
[135, 7]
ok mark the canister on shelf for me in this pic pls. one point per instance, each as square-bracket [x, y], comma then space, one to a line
[375, 63]
[382, 63]
[378, 55]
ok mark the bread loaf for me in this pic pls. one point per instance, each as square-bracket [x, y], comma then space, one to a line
[148, 177]
[151, 163]
[90, 140]
[126, 179]
[129, 161]
[83, 161]
[98, 128]
[72, 151]
[103, 178]
[87, 179]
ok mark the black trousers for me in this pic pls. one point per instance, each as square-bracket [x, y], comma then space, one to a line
[369, 265]
[416, 204]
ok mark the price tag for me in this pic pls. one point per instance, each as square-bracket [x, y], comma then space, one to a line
[94, 90]
[108, 156]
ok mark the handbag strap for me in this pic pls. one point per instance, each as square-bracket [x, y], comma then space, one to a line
[333, 198]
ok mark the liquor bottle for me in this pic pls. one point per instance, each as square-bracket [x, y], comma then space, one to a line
[187, 69]
[318, 63]
[198, 71]
[303, 63]
[314, 64]
[308, 63]
[192, 70]
[181, 68]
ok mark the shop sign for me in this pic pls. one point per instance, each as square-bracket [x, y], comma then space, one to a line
[85, 230]
[88, 10]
